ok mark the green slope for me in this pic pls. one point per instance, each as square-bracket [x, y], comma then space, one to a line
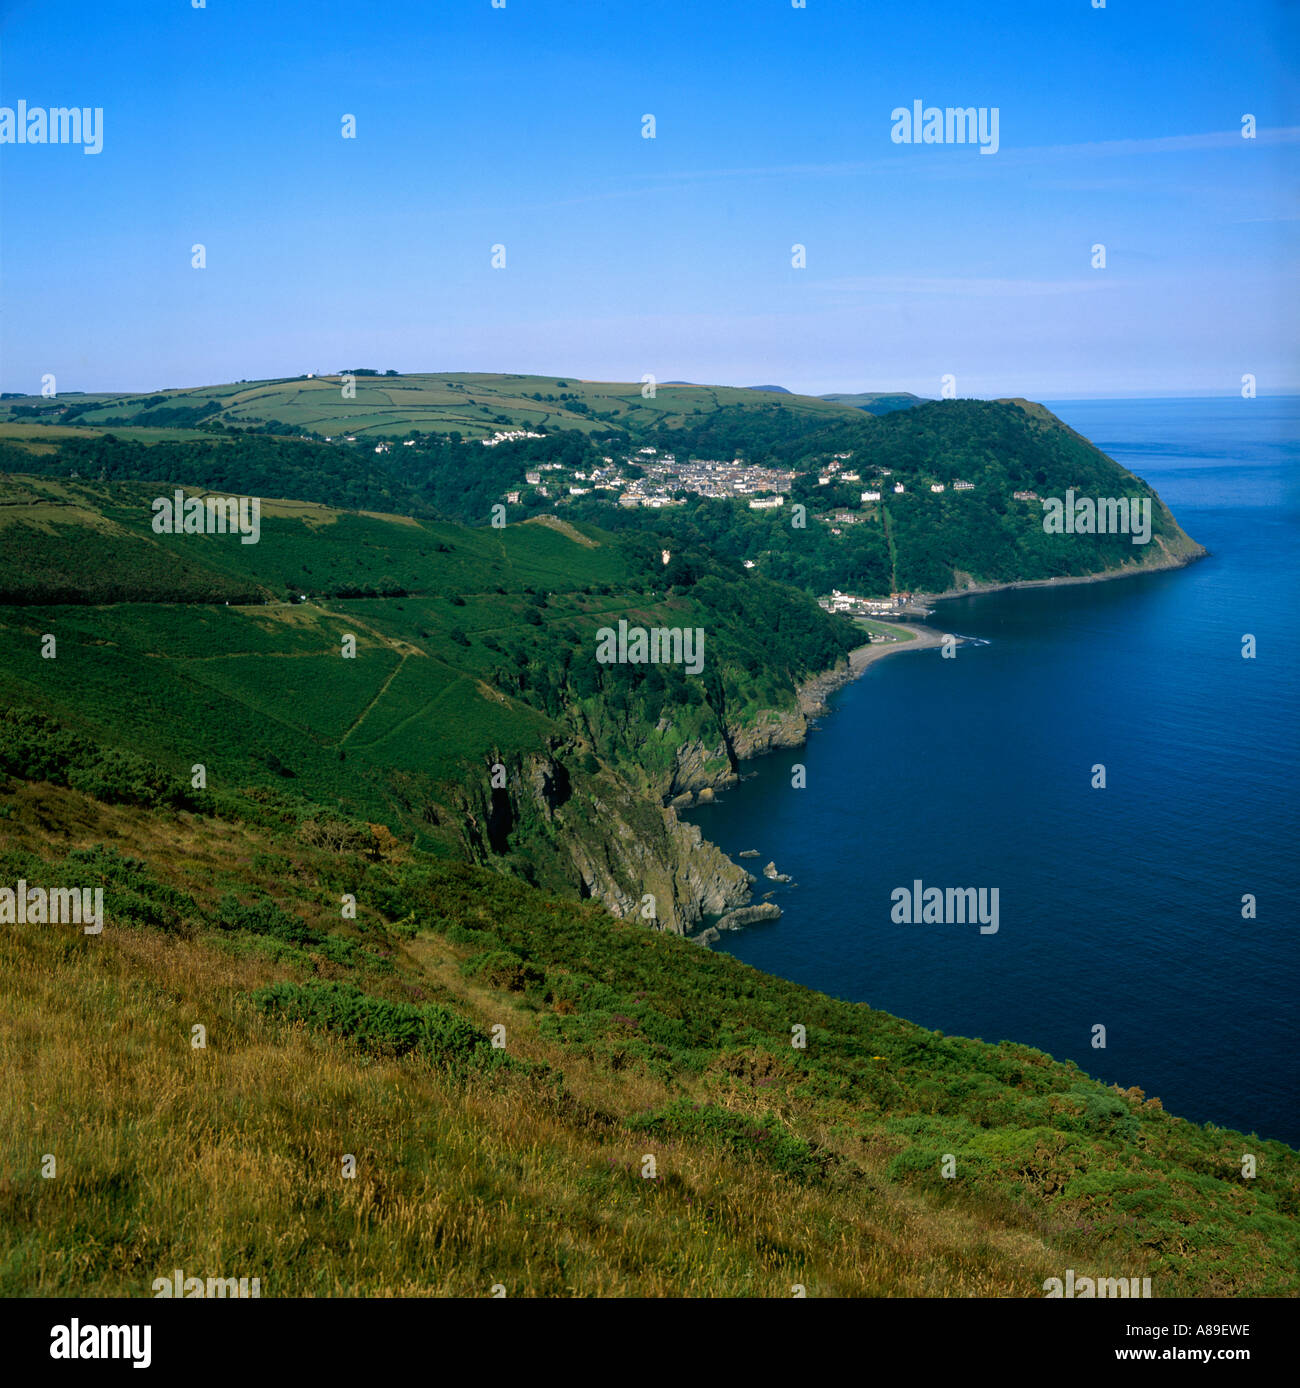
[647, 1129]
[474, 649]
[474, 404]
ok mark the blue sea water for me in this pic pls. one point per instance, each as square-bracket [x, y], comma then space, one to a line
[1119, 907]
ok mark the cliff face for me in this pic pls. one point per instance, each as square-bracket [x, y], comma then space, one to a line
[570, 829]
[564, 820]
[702, 769]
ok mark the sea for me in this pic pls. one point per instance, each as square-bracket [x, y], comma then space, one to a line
[1148, 930]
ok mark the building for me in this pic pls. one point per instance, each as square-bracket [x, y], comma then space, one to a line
[898, 487]
[936, 486]
[769, 503]
[871, 496]
[963, 486]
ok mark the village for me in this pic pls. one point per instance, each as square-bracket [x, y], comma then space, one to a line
[654, 479]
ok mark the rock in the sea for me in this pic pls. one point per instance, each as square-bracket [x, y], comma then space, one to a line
[705, 797]
[773, 875]
[748, 853]
[708, 936]
[748, 915]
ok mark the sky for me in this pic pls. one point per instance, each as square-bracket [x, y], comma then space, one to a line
[522, 127]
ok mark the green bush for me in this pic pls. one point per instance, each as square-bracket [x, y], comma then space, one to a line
[265, 917]
[389, 1028]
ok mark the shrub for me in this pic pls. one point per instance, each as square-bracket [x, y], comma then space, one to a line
[389, 1028]
[499, 968]
[265, 917]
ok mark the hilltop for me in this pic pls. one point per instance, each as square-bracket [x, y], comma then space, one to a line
[935, 497]
[470, 404]
[475, 580]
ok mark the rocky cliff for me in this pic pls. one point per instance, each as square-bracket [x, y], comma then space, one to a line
[566, 820]
[550, 819]
[702, 769]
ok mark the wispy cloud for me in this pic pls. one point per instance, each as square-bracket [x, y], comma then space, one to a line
[1100, 149]
[965, 286]
[1161, 144]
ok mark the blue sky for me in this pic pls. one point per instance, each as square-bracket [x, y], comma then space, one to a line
[522, 126]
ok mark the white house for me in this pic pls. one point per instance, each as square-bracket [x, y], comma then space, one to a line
[871, 496]
[898, 487]
[936, 486]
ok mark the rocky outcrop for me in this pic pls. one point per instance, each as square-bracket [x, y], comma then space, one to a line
[703, 768]
[561, 824]
[749, 915]
[567, 827]
[813, 692]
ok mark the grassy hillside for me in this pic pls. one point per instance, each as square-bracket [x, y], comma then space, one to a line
[968, 513]
[473, 729]
[473, 404]
[919, 539]
[877, 401]
[475, 649]
[527, 1166]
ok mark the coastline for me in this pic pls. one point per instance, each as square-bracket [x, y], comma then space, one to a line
[813, 692]
[1178, 561]
[791, 730]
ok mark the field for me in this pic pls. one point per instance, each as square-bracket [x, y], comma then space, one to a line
[474, 405]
